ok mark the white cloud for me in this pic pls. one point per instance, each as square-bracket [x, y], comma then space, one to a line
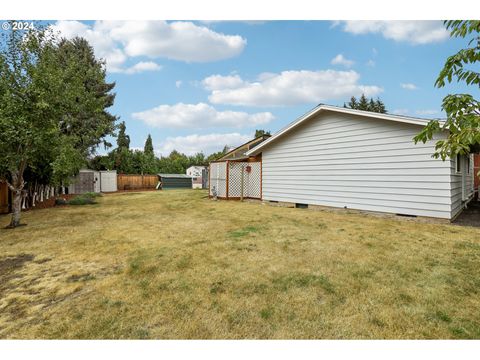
[408, 86]
[118, 41]
[247, 22]
[178, 40]
[411, 31]
[288, 88]
[342, 60]
[178, 83]
[195, 143]
[141, 67]
[218, 82]
[199, 115]
[371, 63]
[426, 112]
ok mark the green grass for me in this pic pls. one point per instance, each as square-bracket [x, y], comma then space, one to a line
[238, 233]
[169, 265]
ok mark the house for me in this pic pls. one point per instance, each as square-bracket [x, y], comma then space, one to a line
[476, 171]
[199, 176]
[345, 158]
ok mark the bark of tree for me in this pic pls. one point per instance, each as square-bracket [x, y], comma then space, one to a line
[17, 186]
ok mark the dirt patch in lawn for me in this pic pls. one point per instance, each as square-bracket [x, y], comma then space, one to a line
[10, 263]
[9, 266]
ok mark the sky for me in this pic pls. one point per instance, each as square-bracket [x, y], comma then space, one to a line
[198, 86]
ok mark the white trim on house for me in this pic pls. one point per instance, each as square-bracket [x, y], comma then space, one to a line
[312, 113]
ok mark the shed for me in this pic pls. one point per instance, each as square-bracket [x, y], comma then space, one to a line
[175, 181]
[346, 158]
[86, 181]
[93, 181]
[108, 181]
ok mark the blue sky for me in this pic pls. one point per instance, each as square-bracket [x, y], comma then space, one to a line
[197, 86]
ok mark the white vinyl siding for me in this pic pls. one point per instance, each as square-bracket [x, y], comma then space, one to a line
[358, 162]
[457, 177]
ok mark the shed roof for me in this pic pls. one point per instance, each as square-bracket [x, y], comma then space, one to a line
[322, 108]
[174, 176]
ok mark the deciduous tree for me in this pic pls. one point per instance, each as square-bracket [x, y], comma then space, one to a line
[261, 132]
[53, 101]
[462, 110]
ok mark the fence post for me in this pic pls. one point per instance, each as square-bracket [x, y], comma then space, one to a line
[241, 183]
[226, 180]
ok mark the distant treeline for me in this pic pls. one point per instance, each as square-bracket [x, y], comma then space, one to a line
[128, 161]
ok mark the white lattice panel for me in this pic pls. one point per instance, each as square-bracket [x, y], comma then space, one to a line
[251, 180]
[218, 179]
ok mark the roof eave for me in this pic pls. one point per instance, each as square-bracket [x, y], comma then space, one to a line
[316, 110]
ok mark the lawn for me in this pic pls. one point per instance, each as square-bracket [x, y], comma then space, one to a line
[173, 264]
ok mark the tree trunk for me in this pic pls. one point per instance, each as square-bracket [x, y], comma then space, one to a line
[16, 186]
[16, 208]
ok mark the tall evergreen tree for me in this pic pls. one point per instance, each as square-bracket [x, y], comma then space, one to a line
[123, 155]
[148, 148]
[363, 103]
[353, 103]
[123, 140]
[380, 107]
[85, 125]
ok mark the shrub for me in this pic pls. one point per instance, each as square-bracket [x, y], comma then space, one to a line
[61, 201]
[82, 200]
[91, 195]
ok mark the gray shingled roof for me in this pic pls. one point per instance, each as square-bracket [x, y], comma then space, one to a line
[174, 176]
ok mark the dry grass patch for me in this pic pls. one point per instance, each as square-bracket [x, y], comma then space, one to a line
[172, 264]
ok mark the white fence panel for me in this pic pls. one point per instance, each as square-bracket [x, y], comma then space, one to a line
[218, 179]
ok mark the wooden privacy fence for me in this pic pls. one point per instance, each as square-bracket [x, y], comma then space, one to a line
[4, 203]
[136, 182]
